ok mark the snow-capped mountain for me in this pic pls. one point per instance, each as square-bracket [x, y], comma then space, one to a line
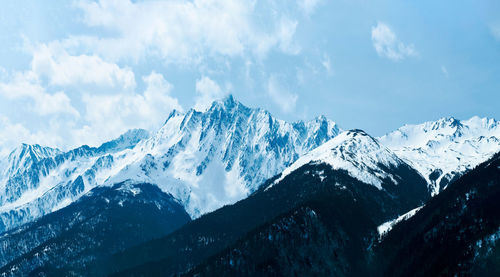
[212, 158]
[204, 159]
[443, 150]
[207, 159]
[269, 228]
[361, 155]
[36, 180]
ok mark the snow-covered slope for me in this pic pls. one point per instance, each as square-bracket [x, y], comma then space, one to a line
[212, 158]
[358, 153]
[444, 149]
[36, 180]
[385, 228]
[204, 159]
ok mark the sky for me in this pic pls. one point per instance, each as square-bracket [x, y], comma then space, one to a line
[83, 72]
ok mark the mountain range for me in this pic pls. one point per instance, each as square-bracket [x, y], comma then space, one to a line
[231, 190]
[443, 150]
[204, 159]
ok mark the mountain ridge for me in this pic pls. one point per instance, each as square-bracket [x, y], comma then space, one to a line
[356, 152]
[229, 141]
[443, 150]
[211, 158]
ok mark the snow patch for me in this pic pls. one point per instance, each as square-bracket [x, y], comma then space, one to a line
[128, 187]
[384, 228]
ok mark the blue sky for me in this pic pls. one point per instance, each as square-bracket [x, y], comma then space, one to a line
[74, 72]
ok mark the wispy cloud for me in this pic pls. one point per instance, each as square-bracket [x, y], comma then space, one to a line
[445, 71]
[308, 6]
[109, 115]
[208, 91]
[327, 64]
[388, 45]
[15, 133]
[281, 96]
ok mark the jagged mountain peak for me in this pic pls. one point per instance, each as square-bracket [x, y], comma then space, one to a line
[228, 102]
[449, 121]
[228, 115]
[442, 150]
[321, 118]
[206, 159]
[230, 112]
[444, 128]
[482, 123]
[229, 144]
[26, 155]
[35, 180]
[34, 150]
[173, 113]
[229, 106]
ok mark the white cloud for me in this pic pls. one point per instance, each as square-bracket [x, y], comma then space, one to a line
[388, 45]
[281, 96]
[54, 62]
[284, 39]
[105, 116]
[308, 6]
[184, 31]
[25, 85]
[327, 64]
[445, 71]
[52, 118]
[111, 115]
[208, 91]
[13, 134]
